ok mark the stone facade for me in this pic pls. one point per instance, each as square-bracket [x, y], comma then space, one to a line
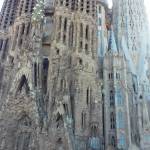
[65, 84]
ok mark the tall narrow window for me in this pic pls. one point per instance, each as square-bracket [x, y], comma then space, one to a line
[83, 120]
[86, 49]
[112, 120]
[87, 32]
[112, 101]
[45, 74]
[81, 30]
[87, 96]
[59, 121]
[113, 142]
[28, 29]
[71, 32]
[66, 109]
[94, 131]
[23, 27]
[35, 74]
[120, 98]
[92, 44]
[1, 44]
[65, 24]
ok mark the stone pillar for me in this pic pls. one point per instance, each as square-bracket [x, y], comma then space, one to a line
[14, 38]
[78, 37]
[3, 49]
[62, 30]
[30, 6]
[90, 42]
[24, 6]
[25, 29]
[67, 33]
[19, 33]
[84, 37]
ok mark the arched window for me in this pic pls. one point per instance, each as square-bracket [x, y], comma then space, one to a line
[112, 120]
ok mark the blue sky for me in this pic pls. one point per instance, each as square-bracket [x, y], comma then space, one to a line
[147, 4]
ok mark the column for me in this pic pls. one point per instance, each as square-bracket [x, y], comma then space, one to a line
[62, 30]
[84, 37]
[19, 34]
[14, 39]
[67, 33]
[25, 29]
[3, 49]
[78, 37]
[30, 6]
[90, 40]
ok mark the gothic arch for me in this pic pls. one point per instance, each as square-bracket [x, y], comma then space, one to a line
[27, 73]
[23, 84]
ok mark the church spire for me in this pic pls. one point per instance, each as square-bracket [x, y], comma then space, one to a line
[112, 43]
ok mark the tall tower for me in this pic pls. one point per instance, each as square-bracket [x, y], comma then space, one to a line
[22, 24]
[116, 112]
[8, 13]
[129, 22]
[74, 84]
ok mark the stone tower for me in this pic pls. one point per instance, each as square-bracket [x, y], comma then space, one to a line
[74, 83]
[130, 24]
[129, 21]
[117, 121]
[51, 95]
[8, 13]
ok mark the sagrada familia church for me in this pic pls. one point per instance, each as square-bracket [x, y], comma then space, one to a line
[74, 75]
